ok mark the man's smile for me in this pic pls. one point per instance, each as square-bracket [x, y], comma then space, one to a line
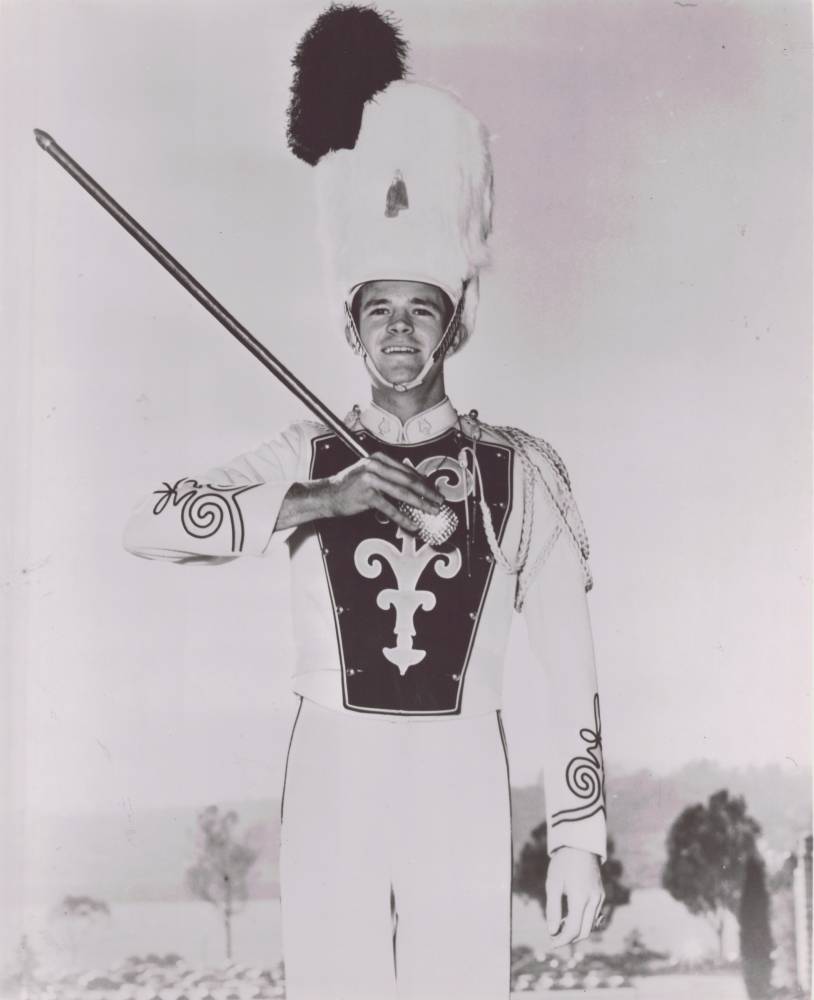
[399, 349]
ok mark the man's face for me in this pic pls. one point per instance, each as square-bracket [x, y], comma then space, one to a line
[401, 324]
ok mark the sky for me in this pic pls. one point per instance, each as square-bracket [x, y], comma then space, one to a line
[648, 312]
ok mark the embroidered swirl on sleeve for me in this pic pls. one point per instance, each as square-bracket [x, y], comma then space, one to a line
[584, 776]
[205, 508]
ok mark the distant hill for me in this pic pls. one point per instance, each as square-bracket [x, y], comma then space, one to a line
[642, 806]
[144, 855]
[141, 856]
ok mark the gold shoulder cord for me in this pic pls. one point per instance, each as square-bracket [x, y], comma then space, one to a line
[528, 447]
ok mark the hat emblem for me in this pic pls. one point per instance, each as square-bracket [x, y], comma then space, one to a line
[396, 196]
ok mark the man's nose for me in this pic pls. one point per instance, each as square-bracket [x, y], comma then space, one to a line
[401, 322]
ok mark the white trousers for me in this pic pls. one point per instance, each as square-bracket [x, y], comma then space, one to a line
[395, 859]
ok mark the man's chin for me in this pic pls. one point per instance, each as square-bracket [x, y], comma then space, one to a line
[401, 369]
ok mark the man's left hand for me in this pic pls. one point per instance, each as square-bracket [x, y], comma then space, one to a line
[573, 873]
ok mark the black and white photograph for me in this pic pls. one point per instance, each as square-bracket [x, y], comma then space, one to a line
[406, 583]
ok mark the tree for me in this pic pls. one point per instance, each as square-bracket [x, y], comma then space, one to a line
[22, 980]
[220, 875]
[532, 868]
[707, 850]
[755, 932]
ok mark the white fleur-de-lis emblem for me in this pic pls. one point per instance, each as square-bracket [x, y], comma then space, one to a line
[407, 563]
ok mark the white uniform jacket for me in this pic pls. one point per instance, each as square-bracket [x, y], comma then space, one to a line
[387, 625]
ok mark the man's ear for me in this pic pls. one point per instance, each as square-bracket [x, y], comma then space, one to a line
[449, 307]
[352, 329]
[356, 306]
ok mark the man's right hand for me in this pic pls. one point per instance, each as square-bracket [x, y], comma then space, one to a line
[377, 482]
[374, 483]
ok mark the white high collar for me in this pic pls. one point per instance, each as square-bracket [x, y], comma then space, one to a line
[421, 427]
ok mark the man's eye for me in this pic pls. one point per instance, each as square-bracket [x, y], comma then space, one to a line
[421, 311]
[378, 311]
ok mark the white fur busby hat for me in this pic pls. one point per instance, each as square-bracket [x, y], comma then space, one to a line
[403, 169]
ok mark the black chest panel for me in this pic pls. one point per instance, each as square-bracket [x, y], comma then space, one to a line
[407, 614]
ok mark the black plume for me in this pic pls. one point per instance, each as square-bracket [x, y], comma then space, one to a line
[347, 55]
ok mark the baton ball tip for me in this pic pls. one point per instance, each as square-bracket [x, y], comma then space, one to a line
[43, 139]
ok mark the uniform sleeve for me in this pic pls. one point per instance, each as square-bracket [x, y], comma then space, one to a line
[555, 606]
[556, 613]
[223, 513]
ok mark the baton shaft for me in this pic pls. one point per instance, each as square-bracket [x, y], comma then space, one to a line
[197, 290]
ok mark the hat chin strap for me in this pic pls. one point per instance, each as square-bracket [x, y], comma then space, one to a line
[437, 354]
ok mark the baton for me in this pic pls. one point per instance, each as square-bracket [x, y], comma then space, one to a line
[433, 529]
